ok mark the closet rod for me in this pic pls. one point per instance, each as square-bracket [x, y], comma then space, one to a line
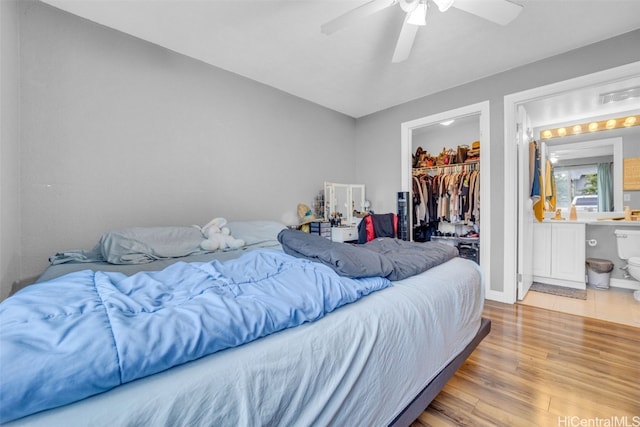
[456, 167]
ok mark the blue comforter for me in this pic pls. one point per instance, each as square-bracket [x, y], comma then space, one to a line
[87, 332]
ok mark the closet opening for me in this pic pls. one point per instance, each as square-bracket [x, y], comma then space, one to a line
[448, 189]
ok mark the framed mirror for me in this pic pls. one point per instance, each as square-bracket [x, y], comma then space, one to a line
[578, 166]
[341, 201]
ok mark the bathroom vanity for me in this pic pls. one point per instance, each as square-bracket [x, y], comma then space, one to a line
[559, 253]
[560, 248]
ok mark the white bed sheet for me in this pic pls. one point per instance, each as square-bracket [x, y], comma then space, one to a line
[360, 365]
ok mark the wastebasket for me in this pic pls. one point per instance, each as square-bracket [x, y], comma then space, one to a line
[599, 272]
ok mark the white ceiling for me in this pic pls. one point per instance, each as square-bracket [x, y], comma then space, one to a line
[279, 43]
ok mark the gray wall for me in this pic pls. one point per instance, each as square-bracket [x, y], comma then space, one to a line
[378, 135]
[9, 146]
[118, 132]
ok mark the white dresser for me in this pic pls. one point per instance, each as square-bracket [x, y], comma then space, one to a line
[344, 234]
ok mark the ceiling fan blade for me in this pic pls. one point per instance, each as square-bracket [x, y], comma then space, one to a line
[355, 15]
[499, 11]
[405, 41]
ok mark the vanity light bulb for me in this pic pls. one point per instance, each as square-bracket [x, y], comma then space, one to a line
[610, 124]
[629, 121]
[547, 134]
[577, 129]
[562, 132]
[593, 127]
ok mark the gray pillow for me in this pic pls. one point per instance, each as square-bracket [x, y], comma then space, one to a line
[140, 245]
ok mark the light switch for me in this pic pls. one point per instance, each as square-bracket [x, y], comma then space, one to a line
[626, 197]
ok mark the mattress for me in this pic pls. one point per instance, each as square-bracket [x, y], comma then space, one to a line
[359, 365]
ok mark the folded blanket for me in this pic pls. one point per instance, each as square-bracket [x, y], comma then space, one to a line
[345, 259]
[85, 333]
[385, 257]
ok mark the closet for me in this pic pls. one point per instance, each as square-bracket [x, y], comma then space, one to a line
[445, 188]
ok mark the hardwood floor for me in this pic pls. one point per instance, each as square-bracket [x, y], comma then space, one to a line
[544, 368]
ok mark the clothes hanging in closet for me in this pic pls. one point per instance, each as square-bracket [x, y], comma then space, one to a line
[450, 195]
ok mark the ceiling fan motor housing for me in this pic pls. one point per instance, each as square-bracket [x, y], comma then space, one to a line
[408, 5]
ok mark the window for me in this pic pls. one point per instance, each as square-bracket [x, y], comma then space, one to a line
[578, 185]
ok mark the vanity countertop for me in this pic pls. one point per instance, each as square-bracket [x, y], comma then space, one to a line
[595, 222]
[609, 222]
[594, 218]
[615, 222]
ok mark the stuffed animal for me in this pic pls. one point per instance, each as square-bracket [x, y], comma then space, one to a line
[217, 236]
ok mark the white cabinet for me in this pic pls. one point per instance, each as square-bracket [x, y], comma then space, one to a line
[344, 234]
[559, 254]
[541, 250]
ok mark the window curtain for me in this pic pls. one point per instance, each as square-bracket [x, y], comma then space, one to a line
[605, 188]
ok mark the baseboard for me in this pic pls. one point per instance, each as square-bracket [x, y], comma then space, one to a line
[624, 284]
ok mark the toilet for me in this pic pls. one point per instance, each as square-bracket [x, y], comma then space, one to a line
[629, 250]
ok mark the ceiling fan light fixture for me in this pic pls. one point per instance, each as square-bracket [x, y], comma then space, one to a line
[419, 15]
[443, 5]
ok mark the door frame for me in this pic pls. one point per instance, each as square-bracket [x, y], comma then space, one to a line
[511, 103]
[482, 109]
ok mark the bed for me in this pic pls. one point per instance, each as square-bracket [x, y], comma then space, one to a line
[379, 360]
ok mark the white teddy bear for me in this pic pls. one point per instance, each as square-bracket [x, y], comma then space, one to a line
[217, 236]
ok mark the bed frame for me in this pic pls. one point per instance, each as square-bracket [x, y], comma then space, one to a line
[426, 396]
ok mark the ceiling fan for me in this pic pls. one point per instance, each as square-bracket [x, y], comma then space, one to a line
[498, 11]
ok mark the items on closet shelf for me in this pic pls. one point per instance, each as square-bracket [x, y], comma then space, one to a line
[473, 154]
[423, 159]
[448, 156]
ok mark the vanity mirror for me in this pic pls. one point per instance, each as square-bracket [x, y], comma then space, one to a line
[342, 200]
[579, 166]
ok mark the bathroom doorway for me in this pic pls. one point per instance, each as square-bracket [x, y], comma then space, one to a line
[545, 100]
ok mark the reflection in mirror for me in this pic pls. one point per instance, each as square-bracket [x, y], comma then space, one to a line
[357, 198]
[340, 208]
[587, 174]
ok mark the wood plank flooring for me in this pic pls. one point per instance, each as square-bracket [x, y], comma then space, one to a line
[544, 368]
